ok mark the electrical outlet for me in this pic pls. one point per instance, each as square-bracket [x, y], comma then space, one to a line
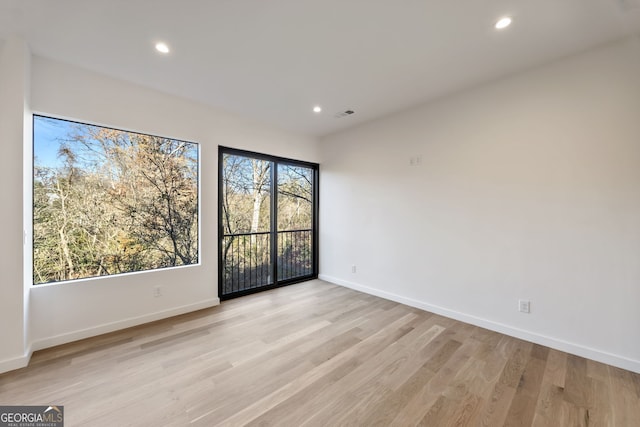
[157, 291]
[353, 268]
[524, 306]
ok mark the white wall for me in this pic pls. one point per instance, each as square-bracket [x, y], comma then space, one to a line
[528, 187]
[14, 71]
[67, 311]
[67, 91]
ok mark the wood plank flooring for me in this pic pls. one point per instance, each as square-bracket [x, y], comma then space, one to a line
[315, 354]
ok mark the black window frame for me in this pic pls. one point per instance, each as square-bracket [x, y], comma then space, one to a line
[276, 160]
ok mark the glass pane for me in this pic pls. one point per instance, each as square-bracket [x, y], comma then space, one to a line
[295, 197]
[295, 219]
[246, 216]
[246, 195]
[106, 201]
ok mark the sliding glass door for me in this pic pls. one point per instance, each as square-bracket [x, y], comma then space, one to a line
[267, 221]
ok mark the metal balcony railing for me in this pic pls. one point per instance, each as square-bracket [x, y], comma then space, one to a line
[247, 260]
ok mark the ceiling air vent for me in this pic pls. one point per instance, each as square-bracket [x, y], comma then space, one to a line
[342, 114]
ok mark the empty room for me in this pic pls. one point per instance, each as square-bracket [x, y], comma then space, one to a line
[334, 213]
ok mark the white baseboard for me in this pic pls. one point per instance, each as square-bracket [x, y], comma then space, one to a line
[555, 343]
[16, 363]
[120, 324]
[22, 361]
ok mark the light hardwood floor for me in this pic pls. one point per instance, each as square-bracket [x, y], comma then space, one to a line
[320, 355]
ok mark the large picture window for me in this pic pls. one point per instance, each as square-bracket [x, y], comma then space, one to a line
[107, 201]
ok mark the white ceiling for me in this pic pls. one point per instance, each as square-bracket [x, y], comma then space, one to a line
[273, 60]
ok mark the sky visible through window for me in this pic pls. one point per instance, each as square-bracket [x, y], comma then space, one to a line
[50, 133]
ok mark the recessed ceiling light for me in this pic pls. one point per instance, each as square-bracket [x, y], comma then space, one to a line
[503, 23]
[162, 47]
[317, 109]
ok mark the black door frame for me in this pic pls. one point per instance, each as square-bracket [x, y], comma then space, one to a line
[273, 220]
